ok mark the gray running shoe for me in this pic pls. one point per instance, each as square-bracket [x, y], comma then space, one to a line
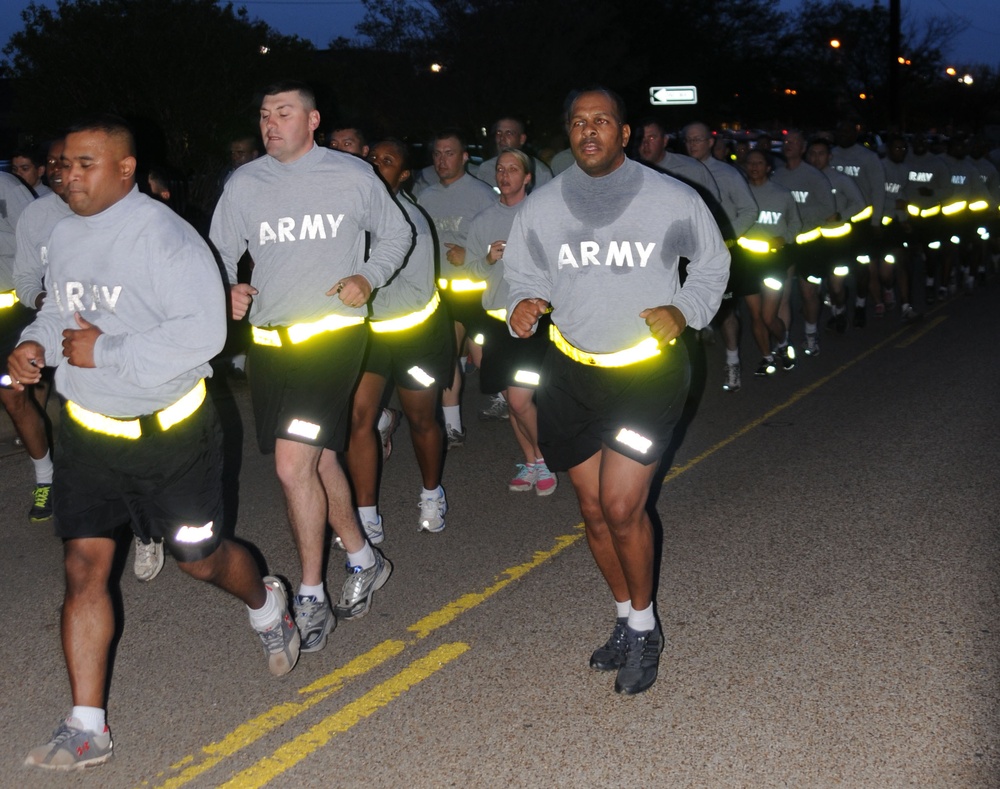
[432, 512]
[497, 411]
[611, 656]
[811, 348]
[315, 621]
[360, 586]
[281, 641]
[148, 559]
[385, 433]
[72, 748]
[642, 660]
[455, 437]
[733, 382]
[373, 531]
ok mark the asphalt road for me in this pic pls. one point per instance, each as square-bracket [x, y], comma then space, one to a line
[828, 591]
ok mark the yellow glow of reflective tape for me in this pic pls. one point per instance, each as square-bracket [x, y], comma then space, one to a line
[183, 408]
[646, 349]
[836, 232]
[863, 214]
[299, 427]
[467, 285]
[773, 284]
[527, 377]
[934, 245]
[500, 315]
[814, 279]
[841, 271]
[301, 332]
[886, 221]
[479, 339]
[8, 299]
[754, 245]
[809, 235]
[405, 322]
[953, 208]
[978, 205]
[132, 428]
[267, 337]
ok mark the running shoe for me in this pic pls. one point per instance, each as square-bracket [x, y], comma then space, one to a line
[811, 346]
[642, 660]
[765, 368]
[360, 586]
[909, 315]
[456, 438]
[611, 656]
[524, 479]
[733, 378]
[786, 355]
[496, 411]
[148, 559]
[282, 640]
[385, 433]
[432, 512]
[41, 508]
[373, 531]
[72, 748]
[879, 310]
[314, 620]
[545, 481]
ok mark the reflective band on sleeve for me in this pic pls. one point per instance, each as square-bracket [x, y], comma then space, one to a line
[405, 322]
[646, 349]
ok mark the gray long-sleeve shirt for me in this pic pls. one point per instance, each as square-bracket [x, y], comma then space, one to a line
[147, 280]
[451, 208]
[863, 167]
[493, 224]
[412, 287]
[812, 192]
[737, 201]
[14, 198]
[34, 229]
[602, 250]
[304, 224]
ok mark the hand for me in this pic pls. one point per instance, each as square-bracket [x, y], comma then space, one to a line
[25, 364]
[496, 251]
[353, 291]
[524, 318]
[665, 323]
[78, 344]
[455, 254]
[240, 296]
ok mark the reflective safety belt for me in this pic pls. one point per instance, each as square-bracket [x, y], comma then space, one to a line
[646, 349]
[757, 246]
[954, 208]
[405, 322]
[836, 232]
[132, 428]
[300, 332]
[500, 315]
[8, 299]
[978, 205]
[809, 235]
[462, 285]
[863, 214]
[923, 213]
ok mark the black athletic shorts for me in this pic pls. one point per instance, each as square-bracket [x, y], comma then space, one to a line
[512, 361]
[167, 484]
[466, 307]
[416, 358]
[631, 410]
[302, 392]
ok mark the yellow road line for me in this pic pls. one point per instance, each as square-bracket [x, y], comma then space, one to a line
[922, 331]
[294, 751]
[247, 733]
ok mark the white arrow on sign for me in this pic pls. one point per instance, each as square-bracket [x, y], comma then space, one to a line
[674, 94]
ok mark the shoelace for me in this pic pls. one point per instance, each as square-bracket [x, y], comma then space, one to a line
[639, 650]
[525, 473]
[42, 495]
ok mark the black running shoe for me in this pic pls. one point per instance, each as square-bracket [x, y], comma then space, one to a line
[642, 659]
[611, 656]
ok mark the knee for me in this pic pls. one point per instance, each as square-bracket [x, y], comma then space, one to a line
[620, 514]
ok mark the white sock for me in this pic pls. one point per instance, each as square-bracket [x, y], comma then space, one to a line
[732, 357]
[263, 618]
[453, 417]
[622, 609]
[859, 302]
[43, 469]
[641, 621]
[312, 591]
[811, 328]
[364, 558]
[239, 361]
[91, 718]
[368, 514]
[385, 419]
[437, 493]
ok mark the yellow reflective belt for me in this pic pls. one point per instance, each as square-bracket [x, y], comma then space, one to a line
[462, 285]
[754, 245]
[836, 232]
[978, 205]
[863, 214]
[954, 208]
[923, 213]
[407, 321]
[500, 315]
[300, 332]
[8, 299]
[646, 349]
[132, 428]
[809, 235]
[886, 221]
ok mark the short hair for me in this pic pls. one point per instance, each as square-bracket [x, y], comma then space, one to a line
[400, 147]
[702, 124]
[516, 118]
[307, 94]
[349, 126]
[449, 133]
[111, 125]
[37, 156]
[763, 152]
[617, 101]
[650, 121]
[824, 141]
[526, 161]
